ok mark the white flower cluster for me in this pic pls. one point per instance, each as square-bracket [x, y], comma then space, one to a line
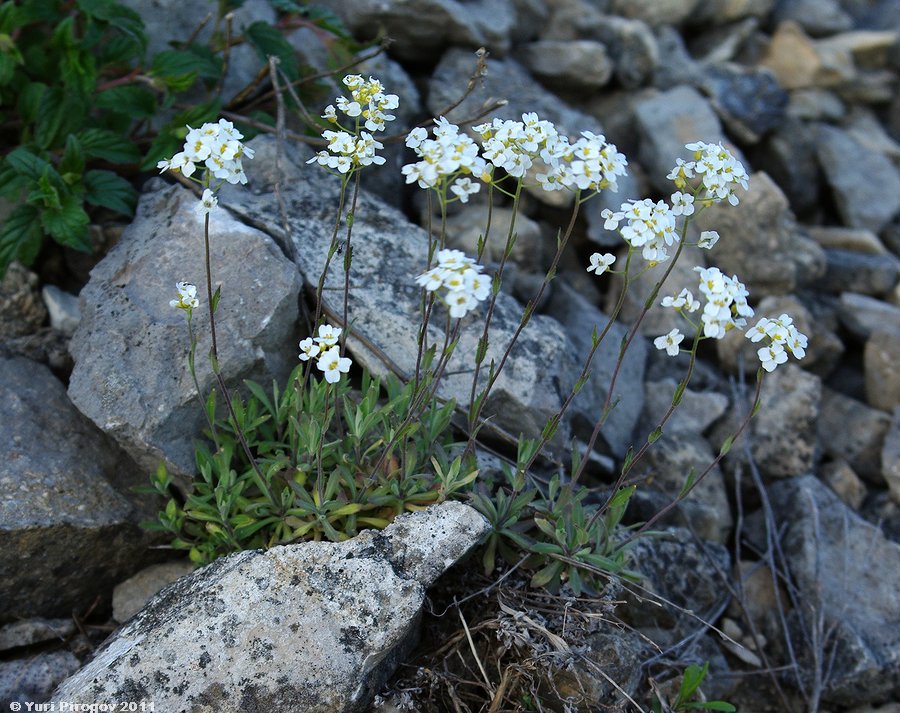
[348, 152]
[782, 336]
[726, 302]
[461, 277]
[327, 353]
[447, 155]
[589, 163]
[187, 296]
[649, 226]
[719, 170]
[217, 146]
[368, 105]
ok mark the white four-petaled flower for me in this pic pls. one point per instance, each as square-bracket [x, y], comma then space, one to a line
[332, 364]
[669, 342]
[601, 263]
[187, 296]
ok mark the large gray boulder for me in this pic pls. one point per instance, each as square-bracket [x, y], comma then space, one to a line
[130, 349]
[846, 570]
[66, 534]
[314, 627]
[384, 301]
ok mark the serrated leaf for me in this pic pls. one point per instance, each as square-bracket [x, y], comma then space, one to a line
[68, 225]
[72, 161]
[268, 41]
[20, 237]
[133, 101]
[105, 188]
[108, 145]
[27, 163]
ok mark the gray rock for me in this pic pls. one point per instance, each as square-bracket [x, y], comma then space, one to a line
[682, 570]
[61, 521]
[575, 65]
[665, 469]
[890, 456]
[857, 240]
[420, 30]
[862, 315]
[851, 430]
[610, 666]
[384, 302]
[697, 411]
[883, 512]
[629, 187]
[830, 551]
[63, 308]
[718, 12]
[131, 376]
[783, 433]
[788, 156]
[579, 317]
[130, 596]
[668, 121]
[760, 241]
[866, 189]
[863, 273]
[655, 12]
[632, 46]
[676, 65]
[316, 626]
[881, 364]
[466, 226]
[747, 99]
[816, 17]
[816, 105]
[22, 311]
[173, 20]
[33, 679]
[506, 79]
[34, 631]
[841, 478]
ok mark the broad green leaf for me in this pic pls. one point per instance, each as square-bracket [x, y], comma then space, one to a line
[68, 225]
[108, 145]
[268, 41]
[20, 237]
[72, 162]
[27, 163]
[131, 100]
[170, 139]
[105, 188]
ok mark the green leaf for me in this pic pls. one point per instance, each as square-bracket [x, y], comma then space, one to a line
[28, 104]
[655, 436]
[269, 41]
[72, 162]
[711, 706]
[171, 138]
[196, 60]
[131, 100]
[45, 194]
[108, 145]
[105, 188]
[68, 225]
[61, 112]
[27, 163]
[20, 237]
[726, 446]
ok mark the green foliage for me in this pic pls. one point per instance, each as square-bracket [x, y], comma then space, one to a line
[81, 104]
[324, 471]
[686, 700]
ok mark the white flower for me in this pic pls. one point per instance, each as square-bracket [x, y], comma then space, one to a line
[460, 276]
[771, 356]
[601, 263]
[187, 296]
[332, 364]
[708, 238]
[669, 342]
[463, 187]
[218, 147]
[330, 114]
[328, 335]
[308, 349]
[207, 202]
[685, 300]
[682, 203]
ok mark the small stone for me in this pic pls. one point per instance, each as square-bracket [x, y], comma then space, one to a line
[842, 480]
[32, 679]
[696, 412]
[797, 62]
[869, 49]
[632, 46]
[21, 309]
[788, 156]
[65, 313]
[747, 99]
[881, 365]
[865, 184]
[890, 456]
[816, 17]
[758, 596]
[130, 596]
[34, 631]
[857, 240]
[862, 315]
[467, 226]
[656, 12]
[858, 272]
[576, 65]
[851, 430]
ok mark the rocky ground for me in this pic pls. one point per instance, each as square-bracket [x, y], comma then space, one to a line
[781, 570]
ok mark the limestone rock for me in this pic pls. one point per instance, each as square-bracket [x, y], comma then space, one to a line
[866, 189]
[61, 520]
[890, 456]
[32, 679]
[577, 65]
[788, 156]
[130, 596]
[881, 362]
[747, 99]
[316, 626]
[63, 308]
[816, 17]
[858, 272]
[849, 429]
[656, 12]
[697, 411]
[798, 62]
[830, 551]
[34, 631]
[131, 375]
[842, 480]
[862, 315]
[760, 241]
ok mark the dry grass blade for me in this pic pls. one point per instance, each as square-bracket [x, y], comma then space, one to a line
[475, 653]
